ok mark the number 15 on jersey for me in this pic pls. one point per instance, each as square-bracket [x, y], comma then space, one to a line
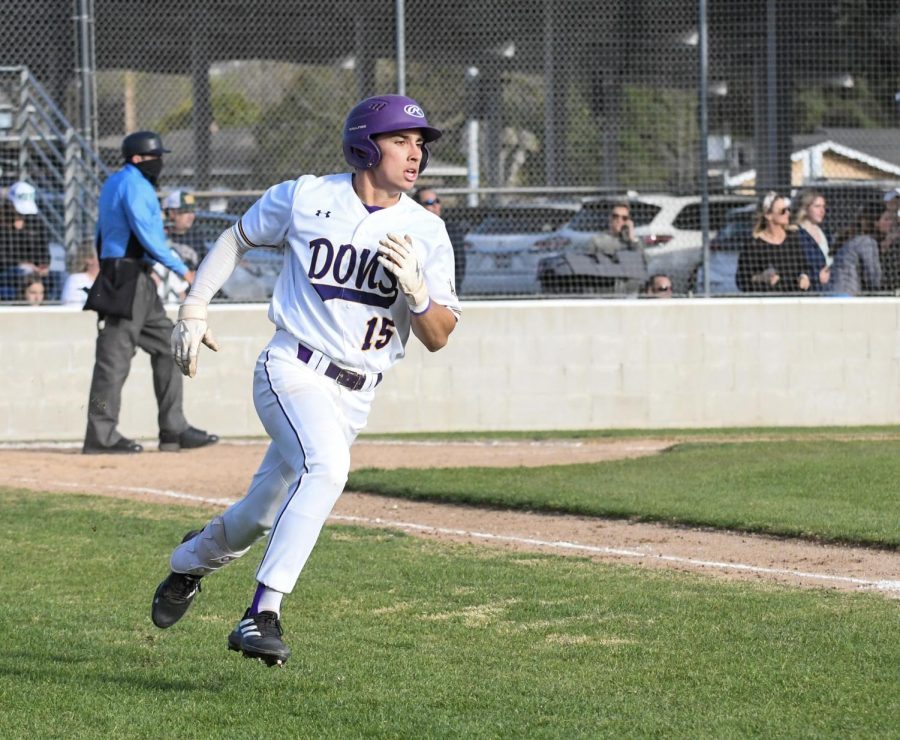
[384, 333]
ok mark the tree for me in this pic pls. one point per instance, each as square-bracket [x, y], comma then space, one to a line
[230, 109]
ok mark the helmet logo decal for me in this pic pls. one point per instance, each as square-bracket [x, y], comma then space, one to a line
[414, 110]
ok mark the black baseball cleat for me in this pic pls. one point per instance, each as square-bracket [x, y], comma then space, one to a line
[124, 446]
[174, 595]
[190, 439]
[259, 636]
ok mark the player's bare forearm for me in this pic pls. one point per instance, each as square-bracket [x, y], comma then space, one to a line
[433, 327]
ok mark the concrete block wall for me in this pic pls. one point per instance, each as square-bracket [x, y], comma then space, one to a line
[515, 365]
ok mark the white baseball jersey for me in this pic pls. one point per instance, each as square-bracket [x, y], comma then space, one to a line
[332, 293]
[333, 296]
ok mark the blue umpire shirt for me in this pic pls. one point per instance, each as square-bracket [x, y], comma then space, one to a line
[128, 211]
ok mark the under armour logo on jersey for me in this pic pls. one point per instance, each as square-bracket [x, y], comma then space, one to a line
[327, 213]
[332, 270]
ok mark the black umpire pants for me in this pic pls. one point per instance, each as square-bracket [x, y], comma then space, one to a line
[117, 343]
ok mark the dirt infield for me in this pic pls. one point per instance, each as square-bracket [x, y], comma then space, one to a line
[217, 475]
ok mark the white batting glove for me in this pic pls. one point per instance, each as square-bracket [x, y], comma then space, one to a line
[398, 256]
[187, 336]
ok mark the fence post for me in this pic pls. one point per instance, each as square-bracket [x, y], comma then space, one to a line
[22, 125]
[71, 213]
[703, 153]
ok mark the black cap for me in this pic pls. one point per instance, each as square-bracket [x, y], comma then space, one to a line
[142, 142]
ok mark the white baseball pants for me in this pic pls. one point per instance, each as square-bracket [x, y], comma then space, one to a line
[312, 422]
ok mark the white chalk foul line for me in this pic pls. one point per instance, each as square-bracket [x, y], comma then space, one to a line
[128, 489]
[882, 585]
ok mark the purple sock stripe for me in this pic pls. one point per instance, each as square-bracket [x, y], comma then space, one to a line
[254, 607]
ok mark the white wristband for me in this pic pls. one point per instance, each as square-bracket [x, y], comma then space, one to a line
[421, 308]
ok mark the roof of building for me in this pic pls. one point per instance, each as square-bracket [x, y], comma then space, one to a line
[881, 144]
[878, 148]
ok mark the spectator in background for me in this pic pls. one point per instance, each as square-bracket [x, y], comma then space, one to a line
[889, 242]
[892, 201]
[773, 260]
[857, 267]
[24, 241]
[85, 268]
[33, 289]
[809, 219]
[658, 286]
[618, 238]
[429, 200]
[179, 211]
[619, 234]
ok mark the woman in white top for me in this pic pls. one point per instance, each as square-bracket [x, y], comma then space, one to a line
[77, 285]
[809, 218]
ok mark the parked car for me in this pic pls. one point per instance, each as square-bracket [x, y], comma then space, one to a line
[501, 256]
[668, 226]
[253, 280]
[674, 240]
[724, 249]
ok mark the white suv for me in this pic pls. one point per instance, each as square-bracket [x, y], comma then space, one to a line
[667, 225]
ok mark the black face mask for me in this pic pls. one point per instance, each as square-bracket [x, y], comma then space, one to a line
[150, 168]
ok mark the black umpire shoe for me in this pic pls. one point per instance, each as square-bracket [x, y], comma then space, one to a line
[259, 636]
[124, 446]
[174, 595]
[190, 439]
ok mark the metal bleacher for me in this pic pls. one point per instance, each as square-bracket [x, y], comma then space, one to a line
[40, 145]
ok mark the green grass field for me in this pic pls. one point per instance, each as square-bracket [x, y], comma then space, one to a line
[826, 489]
[399, 637]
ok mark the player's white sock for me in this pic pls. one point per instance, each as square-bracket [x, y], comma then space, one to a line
[266, 600]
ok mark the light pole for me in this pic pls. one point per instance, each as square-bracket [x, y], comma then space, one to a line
[401, 47]
[473, 177]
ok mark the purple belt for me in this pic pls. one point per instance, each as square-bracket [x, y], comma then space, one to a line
[345, 378]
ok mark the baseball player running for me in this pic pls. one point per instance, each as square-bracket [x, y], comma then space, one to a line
[364, 264]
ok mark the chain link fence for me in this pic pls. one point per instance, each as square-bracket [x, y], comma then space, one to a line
[556, 113]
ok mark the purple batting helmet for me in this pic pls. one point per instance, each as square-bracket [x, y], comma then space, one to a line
[381, 115]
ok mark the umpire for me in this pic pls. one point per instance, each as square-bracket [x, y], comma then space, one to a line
[130, 238]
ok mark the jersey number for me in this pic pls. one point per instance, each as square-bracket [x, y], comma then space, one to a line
[384, 333]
